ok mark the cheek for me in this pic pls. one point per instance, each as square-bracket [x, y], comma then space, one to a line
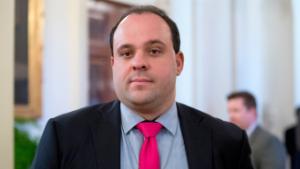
[235, 117]
[118, 70]
[166, 70]
[167, 77]
[232, 117]
[117, 79]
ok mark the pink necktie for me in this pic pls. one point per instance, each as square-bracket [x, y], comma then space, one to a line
[149, 155]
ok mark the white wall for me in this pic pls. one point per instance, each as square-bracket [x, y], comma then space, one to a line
[6, 83]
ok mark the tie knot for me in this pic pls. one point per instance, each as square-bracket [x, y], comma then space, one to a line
[149, 129]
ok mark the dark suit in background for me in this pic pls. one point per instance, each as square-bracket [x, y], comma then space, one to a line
[267, 151]
[90, 138]
[290, 143]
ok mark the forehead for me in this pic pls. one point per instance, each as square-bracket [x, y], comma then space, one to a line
[236, 101]
[141, 27]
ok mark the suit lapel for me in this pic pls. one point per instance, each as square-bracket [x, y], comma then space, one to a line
[197, 138]
[254, 135]
[106, 136]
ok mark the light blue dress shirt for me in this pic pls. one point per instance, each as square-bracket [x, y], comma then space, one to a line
[170, 141]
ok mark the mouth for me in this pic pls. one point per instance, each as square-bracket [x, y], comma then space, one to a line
[140, 80]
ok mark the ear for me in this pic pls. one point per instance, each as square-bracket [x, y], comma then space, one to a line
[112, 60]
[253, 111]
[179, 62]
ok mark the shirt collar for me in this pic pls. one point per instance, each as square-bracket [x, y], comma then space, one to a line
[130, 119]
[251, 128]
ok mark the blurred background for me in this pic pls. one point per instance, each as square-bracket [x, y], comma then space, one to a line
[54, 58]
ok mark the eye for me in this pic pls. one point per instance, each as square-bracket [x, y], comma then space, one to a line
[125, 53]
[155, 51]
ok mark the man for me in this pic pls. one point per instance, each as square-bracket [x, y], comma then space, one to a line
[267, 151]
[146, 128]
[292, 142]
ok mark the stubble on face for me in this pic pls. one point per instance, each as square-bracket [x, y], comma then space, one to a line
[149, 90]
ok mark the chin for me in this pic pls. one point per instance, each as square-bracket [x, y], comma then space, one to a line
[141, 101]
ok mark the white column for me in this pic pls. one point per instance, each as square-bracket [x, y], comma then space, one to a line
[182, 14]
[65, 67]
[6, 83]
[214, 55]
[205, 28]
[296, 28]
[248, 48]
[278, 65]
[264, 63]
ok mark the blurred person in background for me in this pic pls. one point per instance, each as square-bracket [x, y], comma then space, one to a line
[267, 151]
[292, 142]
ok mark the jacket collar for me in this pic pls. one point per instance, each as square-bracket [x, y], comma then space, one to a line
[197, 137]
[106, 132]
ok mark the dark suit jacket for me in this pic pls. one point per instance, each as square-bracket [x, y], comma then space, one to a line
[290, 143]
[90, 138]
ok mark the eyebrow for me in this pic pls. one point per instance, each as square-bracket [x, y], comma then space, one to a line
[124, 46]
[155, 41]
[150, 42]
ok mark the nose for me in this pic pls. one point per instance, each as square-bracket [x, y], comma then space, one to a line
[231, 117]
[139, 62]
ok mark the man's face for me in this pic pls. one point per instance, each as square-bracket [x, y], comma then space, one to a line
[239, 114]
[144, 62]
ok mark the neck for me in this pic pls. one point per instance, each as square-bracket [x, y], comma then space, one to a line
[151, 112]
[150, 117]
[250, 129]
